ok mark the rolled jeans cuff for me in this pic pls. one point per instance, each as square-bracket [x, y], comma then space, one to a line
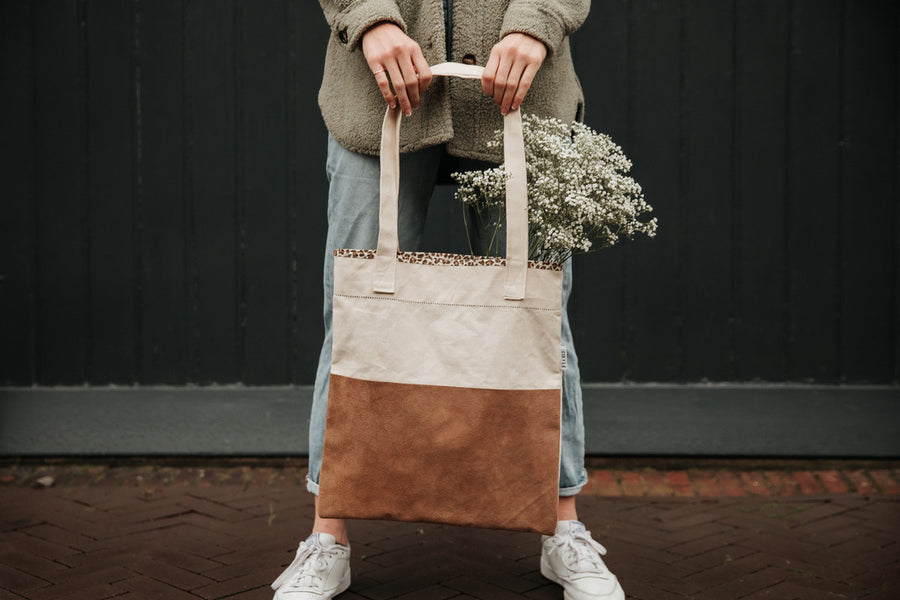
[573, 490]
[311, 486]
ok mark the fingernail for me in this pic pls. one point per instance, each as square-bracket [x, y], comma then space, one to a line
[503, 112]
[407, 112]
[393, 105]
[514, 107]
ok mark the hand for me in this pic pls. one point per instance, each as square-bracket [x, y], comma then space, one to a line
[396, 59]
[511, 68]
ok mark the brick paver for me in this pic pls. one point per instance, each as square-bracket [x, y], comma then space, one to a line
[674, 530]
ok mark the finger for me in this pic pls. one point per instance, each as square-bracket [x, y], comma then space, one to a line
[399, 88]
[524, 85]
[500, 82]
[384, 85]
[489, 75]
[410, 83]
[512, 83]
[516, 75]
[423, 70]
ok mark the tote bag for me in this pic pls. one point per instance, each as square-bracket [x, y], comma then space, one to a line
[445, 386]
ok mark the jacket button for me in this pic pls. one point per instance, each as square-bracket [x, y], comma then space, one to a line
[469, 59]
[342, 35]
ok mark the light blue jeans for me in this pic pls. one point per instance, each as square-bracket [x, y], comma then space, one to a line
[353, 199]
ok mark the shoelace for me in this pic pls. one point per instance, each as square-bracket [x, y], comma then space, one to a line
[312, 572]
[307, 568]
[579, 550]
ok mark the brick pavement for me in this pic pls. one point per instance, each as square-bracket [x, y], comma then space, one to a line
[705, 530]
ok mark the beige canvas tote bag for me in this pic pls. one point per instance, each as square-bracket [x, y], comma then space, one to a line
[445, 387]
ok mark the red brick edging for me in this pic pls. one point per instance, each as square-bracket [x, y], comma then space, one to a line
[607, 477]
[714, 483]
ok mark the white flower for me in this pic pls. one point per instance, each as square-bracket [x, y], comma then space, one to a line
[579, 191]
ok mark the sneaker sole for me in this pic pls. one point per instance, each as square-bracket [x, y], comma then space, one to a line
[546, 571]
[340, 589]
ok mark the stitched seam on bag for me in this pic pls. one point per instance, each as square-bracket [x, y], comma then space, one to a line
[388, 298]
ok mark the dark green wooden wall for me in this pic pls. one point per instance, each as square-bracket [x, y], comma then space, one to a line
[163, 191]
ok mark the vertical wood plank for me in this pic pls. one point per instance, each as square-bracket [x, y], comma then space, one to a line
[63, 295]
[760, 176]
[866, 236]
[597, 306]
[162, 223]
[214, 201]
[655, 267]
[110, 117]
[262, 97]
[896, 194]
[17, 227]
[813, 185]
[307, 183]
[709, 145]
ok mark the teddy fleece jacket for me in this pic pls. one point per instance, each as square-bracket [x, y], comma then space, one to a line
[452, 111]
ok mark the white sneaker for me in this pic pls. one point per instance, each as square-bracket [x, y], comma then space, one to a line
[571, 558]
[319, 571]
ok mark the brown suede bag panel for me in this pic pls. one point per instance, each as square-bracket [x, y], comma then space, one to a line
[472, 457]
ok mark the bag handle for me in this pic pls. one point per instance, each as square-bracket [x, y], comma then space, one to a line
[516, 194]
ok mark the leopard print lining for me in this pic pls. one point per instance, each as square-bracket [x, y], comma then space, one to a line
[446, 259]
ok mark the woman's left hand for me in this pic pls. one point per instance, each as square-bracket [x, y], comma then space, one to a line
[511, 68]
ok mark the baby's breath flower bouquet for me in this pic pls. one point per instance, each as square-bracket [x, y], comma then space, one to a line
[579, 191]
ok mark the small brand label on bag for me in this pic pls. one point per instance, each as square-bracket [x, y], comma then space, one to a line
[563, 358]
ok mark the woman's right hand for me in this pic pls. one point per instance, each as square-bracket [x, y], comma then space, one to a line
[396, 60]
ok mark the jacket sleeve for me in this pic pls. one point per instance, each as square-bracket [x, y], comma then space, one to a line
[349, 19]
[547, 20]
